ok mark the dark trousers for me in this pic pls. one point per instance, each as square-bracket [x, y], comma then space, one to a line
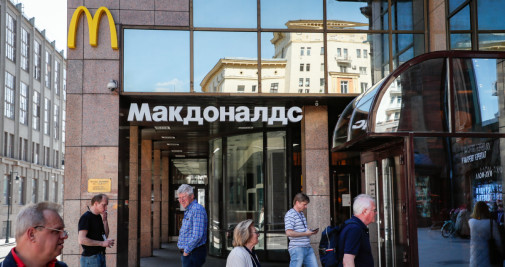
[196, 258]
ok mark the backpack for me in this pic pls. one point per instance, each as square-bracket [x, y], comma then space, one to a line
[328, 245]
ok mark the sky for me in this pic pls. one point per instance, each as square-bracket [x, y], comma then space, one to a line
[50, 15]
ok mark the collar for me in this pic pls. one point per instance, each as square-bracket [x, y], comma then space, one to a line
[191, 204]
[20, 263]
[359, 222]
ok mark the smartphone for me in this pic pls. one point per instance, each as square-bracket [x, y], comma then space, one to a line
[315, 230]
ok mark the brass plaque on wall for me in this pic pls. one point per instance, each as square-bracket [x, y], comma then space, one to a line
[99, 185]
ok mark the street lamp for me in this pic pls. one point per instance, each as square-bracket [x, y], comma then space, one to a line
[9, 203]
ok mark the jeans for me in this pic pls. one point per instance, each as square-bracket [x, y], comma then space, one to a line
[97, 260]
[303, 256]
[196, 258]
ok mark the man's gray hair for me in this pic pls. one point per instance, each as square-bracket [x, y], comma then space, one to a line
[185, 189]
[362, 202]
[241, 233]
[33, 215]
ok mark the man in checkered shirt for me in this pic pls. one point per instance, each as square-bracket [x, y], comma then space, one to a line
[193, 233]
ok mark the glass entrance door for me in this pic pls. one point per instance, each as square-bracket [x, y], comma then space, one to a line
[385, 180]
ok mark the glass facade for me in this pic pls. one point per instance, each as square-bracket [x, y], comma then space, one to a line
[258, 46]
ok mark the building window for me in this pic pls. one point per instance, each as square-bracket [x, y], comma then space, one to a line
[321, 82]
[57, 77]
[358, 53]
[25, 50]
[47, 156]
[322, 67]
[10, 38]
[35, 152]
[55, 190]
[23, 104]
[56, 123]
[339, 52]
[345, 53]
[240, 89]
[37, 60]
[21, 190]
[47, 75]
[36, 111]
[301, 67]
[23, 148]
[300, 91]
[307, 91]
[307, 82]
[47, 113]
[35, 190]
[343, 69]
[399, 99]
[302, 51]
[274, 87]
[365, 53]
[6, 190]
[362, 70]
[364, 86]
[9, 95]
[63, 125]
[8, 144]
[300, 82]
[343, 87]
[45, 189]
[322, 51]
[307, 67]
[56, 159]
[308, 51]
[253, 88]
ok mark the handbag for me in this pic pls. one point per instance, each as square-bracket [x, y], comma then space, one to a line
[495, 255]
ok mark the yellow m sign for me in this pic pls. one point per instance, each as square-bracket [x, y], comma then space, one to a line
[93, 23]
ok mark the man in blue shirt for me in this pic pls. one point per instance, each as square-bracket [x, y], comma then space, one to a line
[354, 241]
[298, 232]
[193, 233]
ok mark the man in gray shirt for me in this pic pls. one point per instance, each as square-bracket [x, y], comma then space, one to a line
[295, 225]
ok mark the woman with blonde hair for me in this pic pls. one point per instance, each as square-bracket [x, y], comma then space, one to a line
[480, 232]
[245, 237]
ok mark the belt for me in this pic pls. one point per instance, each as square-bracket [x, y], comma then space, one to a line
[182, 250]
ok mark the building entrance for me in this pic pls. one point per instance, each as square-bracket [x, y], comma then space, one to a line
[385, 180]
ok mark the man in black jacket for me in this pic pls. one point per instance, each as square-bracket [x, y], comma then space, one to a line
[40, 236]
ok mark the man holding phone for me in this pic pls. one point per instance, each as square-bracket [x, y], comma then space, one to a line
[300, 251]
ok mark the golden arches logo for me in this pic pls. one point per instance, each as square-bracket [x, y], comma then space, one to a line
[93, 23]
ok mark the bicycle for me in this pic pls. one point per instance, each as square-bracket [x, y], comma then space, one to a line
[448, 229]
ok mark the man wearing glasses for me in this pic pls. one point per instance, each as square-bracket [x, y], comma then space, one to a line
[94, 232]
[39, 237]
[193, 233]
[354, 241]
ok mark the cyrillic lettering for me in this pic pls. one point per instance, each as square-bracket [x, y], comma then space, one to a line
[291, 111]
[242, 114]
[264, 114]
[193, 115]
[160, 113]
[223, 113]
[175, 113]
[139, 115]
[278, 114]
[214, 111]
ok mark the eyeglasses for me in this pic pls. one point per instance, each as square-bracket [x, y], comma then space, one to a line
[62, 233]
[256, 232]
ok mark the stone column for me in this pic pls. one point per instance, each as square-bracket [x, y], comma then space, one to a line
[133, 203]
[157, 199]
[315, 170]
[438, 27]
[146, 160]
[164, 199]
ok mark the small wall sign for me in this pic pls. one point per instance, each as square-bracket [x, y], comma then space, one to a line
[99, 185]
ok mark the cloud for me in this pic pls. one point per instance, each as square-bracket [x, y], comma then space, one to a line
[174, 85]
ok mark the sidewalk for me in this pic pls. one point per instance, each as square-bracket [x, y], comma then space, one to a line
[168, 255]
[6, 248]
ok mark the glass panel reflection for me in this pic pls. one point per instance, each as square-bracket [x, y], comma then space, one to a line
[407, 15]
[277, 183]
[461, 41]
[361, 14]
[225, 13]
[406, 47]
[490, 14]
[452, 174]
[276, 241]
[153, 62]
[225, 62]
[453, 4]
[460, 21]
[478, 92]
[216, 236]
[492, 42]
[277, 14]
[189, 171]
[244, 184]
[415, 100]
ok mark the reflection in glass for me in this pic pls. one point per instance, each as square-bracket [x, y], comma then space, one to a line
[225, 61]
[244, 179]
[461, 21]
[153, 62]
[276, 14]
[492, 41]
[225, 13]
[452, 174]
[407, 15]
[406, 47]
[415, 100]
[453, 4]
[276, 241]
[462, 41]
[216, 236]
[277, 184]
[189, 171]
[358, 12]
[478, 91]
[490, 14]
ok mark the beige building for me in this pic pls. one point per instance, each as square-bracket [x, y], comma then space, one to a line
[32, 114]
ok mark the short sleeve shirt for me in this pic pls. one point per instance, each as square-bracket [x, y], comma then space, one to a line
[94, 225]
[355, 240]
[297, 222]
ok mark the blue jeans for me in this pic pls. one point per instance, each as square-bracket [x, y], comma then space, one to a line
[196, 258]
[97, 260]
[303, 256]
